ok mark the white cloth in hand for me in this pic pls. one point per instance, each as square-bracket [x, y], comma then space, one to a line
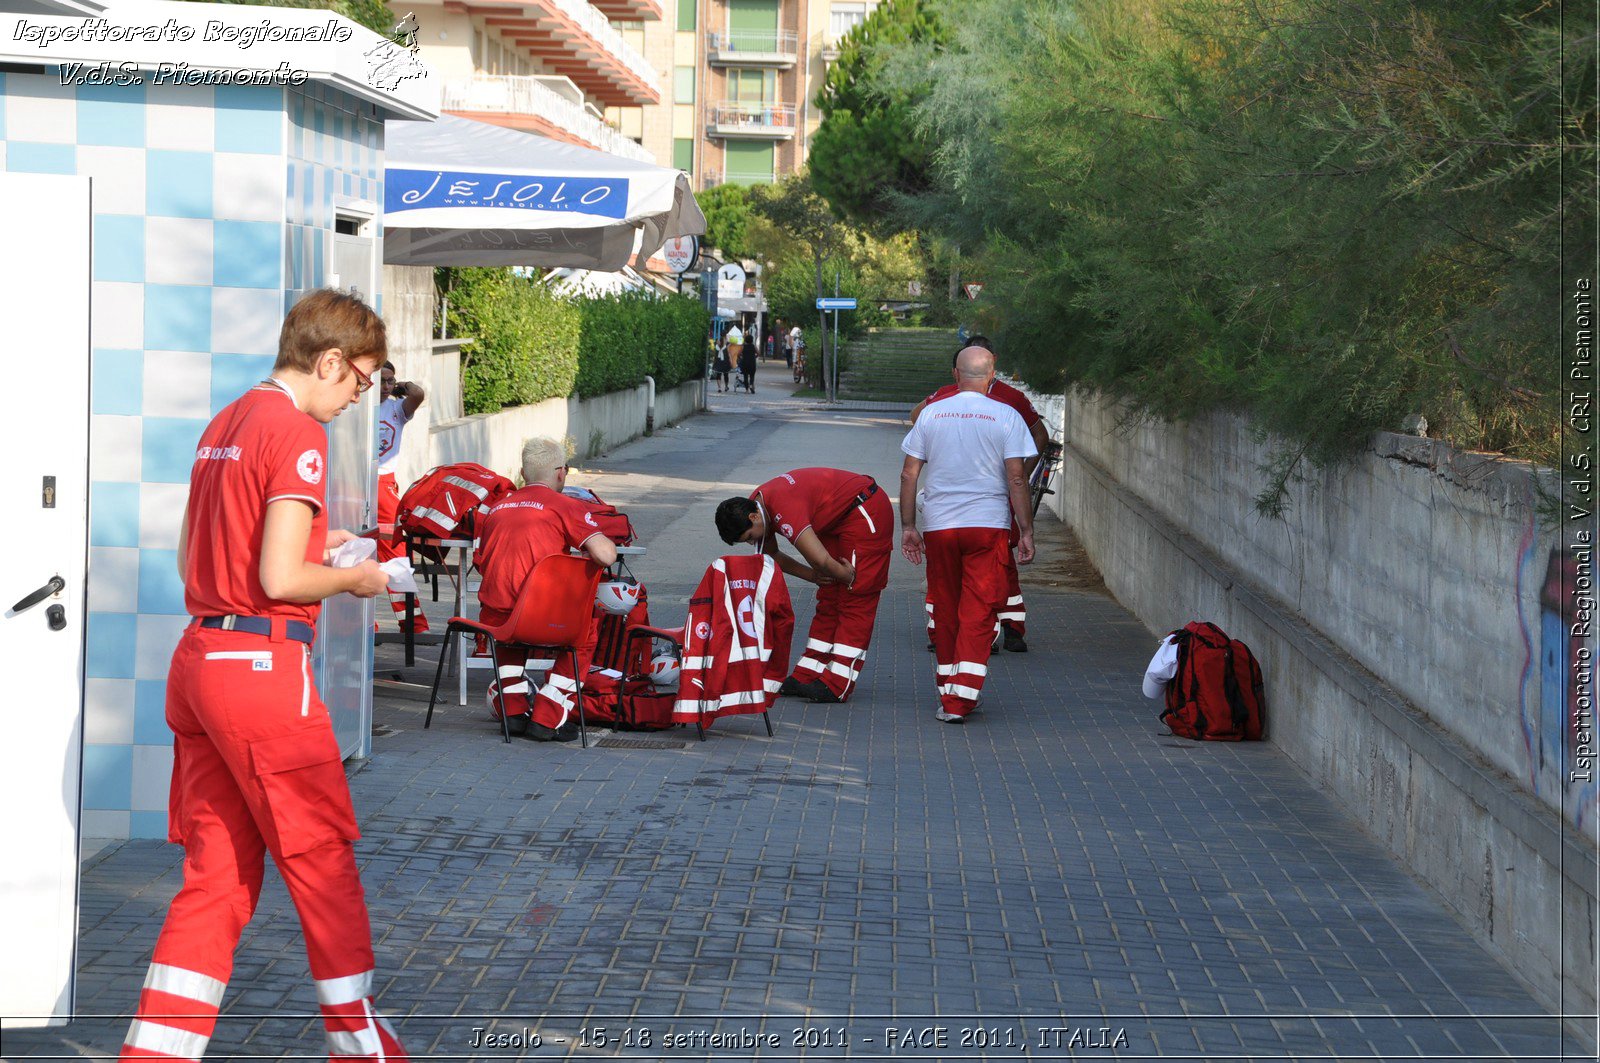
[352, 553]
[402, 580]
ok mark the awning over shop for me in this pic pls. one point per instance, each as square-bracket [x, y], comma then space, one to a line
[464, 193]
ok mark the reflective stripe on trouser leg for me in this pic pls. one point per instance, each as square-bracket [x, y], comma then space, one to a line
[857, 613]
[177, 1012]
[557, 700]
[813, 664]
[814, 660]
[944, 595]
[397, 605]
[338, 940]
[353, 1026]
[555, 704]
[1014, 614]
[510, 664]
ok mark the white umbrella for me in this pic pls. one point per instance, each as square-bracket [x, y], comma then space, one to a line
[464, 193]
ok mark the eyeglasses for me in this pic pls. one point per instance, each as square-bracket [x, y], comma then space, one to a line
[363, 381]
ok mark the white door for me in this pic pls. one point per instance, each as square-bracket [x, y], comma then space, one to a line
[44, 435]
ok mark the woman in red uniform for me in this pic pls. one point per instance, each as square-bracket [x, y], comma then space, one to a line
[256, 767]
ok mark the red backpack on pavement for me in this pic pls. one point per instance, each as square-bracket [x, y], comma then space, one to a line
[1216, 694]
[449, 501]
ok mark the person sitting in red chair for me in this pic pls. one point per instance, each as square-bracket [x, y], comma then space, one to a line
[520, 530]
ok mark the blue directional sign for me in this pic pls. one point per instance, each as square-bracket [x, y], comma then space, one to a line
[836, 303]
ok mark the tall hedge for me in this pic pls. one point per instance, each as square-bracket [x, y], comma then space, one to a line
[525, 340]
[529, 344]
[624, 337]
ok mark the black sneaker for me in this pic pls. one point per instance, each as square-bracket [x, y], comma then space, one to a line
[790, 688]
[540, 733]
[518, 725]
[1015, 643]
[817, 691]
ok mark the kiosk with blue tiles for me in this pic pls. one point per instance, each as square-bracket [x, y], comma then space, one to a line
[174, 177]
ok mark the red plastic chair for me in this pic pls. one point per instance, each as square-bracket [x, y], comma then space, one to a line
[553, 611]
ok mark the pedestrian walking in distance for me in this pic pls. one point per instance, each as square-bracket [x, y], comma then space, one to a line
[256, 767]
[967, 451]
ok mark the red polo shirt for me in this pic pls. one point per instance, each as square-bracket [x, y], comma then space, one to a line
[259, 449]
[806, 498]
[520, 531]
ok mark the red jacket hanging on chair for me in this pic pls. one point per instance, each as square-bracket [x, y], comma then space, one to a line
[736, 641]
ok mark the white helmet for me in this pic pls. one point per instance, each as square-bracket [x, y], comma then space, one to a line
[664, 669]
[617, 596]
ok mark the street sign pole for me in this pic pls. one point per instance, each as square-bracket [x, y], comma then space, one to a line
[830, 379]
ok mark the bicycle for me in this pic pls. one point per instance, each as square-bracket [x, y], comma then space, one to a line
[1044, 474]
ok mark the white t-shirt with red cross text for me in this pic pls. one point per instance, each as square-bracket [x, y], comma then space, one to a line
[965, 441]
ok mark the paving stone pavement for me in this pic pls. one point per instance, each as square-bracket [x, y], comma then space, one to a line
[1057, 879]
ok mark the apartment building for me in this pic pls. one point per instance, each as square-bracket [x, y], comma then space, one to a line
[568, 69]
[744, 75]
[722, 89]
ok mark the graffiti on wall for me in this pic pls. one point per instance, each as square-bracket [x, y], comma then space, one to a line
[1559, 727]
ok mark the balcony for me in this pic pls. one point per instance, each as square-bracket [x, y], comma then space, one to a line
[751, 121]
[535, 105]
[630, 10]
[780, 49]
[573, 39]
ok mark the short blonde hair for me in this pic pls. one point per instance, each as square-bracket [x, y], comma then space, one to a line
[541, 457]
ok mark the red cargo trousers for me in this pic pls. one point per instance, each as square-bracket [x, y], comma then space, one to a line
[1014, 613]
[388, 513]
[256, 770]
[967, 588]
[841, 628]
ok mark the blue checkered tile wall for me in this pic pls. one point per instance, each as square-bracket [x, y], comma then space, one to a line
[211, 207]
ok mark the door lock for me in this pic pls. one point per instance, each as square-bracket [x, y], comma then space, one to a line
[55, 586]
[56, 617]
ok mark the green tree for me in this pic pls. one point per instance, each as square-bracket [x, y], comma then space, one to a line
[727, 211]
[1329, 214]
[868, 150]
[792, 294]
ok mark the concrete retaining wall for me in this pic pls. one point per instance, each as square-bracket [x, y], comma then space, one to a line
[593, 426]
[1410, 669]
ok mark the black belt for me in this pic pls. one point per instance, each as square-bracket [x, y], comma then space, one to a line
[871, 490]
[298, 630]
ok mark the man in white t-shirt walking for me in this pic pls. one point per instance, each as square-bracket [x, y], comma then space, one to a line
[401, 400]
[967, 451]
